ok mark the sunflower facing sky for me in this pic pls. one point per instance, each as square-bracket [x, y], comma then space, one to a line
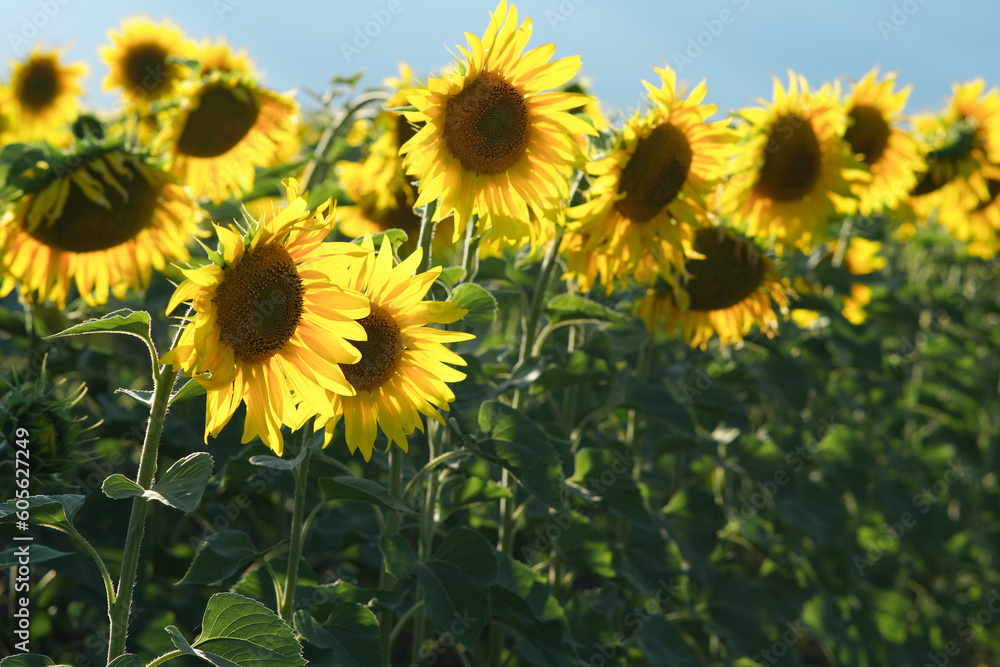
[793, 172]
[269, 321]
[403, 371]
[138, 59]
[873, 133]
[226, 126]
[730, 288]
[103, 225]
[493, 144]
[650, 192]
[44, 96]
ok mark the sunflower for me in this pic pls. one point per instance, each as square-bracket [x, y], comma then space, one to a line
[891, 154]
[403, 370]
[793, 171]
[6, 116]
[225, 127]
[493, 144]
[979, 225]
[44, 96]
[146, 61]
[860, 258]
[965, 147]
[650, 192]
[269, 322]
[731, 287]
[104, 224]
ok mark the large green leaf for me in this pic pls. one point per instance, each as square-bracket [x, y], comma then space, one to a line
[119, 487]
[567, 306]
[351, 634]
[455, 582]
[482, 305]
[659, 404]
[242, 632]
[127, 660]
[364, 490]
[124, 321]
[584, 547]
[608, 473]
[28, 660]
[184, 482]
[57, 510]
[518, 444]
[37, 553]
[399, 557]
[220, 556]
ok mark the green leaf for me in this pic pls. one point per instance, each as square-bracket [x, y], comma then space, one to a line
[27, 660]
[692, 520]
[127, 660]
[190, 389]
[399, 557]
[220, 556]
[184, 482]
[397, 237]
[518, 444]
[37, 554]
[658, 404]
[278, 463]
[607, 473]
[450, 275]
[584, 547]
[455, 582]
[119, 487]
[124, 321]
[351, 634]
[242, 632]
[573, 306]
[56, 510]
[364, 490]
[482, 305]
[663, 644]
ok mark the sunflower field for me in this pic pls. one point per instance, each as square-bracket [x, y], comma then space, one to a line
[466, 370]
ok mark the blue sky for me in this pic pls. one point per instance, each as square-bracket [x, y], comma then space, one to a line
[735, 44]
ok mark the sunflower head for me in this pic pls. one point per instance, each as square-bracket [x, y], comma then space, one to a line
[492, 143]
[269, 320]
[148, 61]
[404, 367]
[730, 286]
[101, 217]
[651, 190]
[44, 96]
[793, 171]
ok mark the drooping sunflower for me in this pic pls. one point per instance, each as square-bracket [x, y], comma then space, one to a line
[403, 371]
[146, 61]
[102, 219]
[269, 321]
[731, 287]
[891, 154]
[493, 144]
[226, 126]
[793, 172]
[650, 192]
[964, 143]
[44, 96]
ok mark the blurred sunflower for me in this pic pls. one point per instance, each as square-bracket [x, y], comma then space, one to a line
[979, 226]
[793, 172]
[729, 289]
[860, 258]
[891, 153]
[146, 61]
[965, 149]
[403, 370]
[44, 96]
[226, 126]
[6, 116]
[650, 192]
[269, 321]
[103, 224]
[494, 145]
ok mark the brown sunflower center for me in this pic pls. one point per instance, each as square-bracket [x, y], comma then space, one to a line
[655, 173]
[993, 189]
[380, 354]
[86, 226]
[260, 303]
[486, 125]
[868, 133]
[792, 160]
[731, 271]
[145, 68]
[39, 85]
[927, 182]
[220, 122]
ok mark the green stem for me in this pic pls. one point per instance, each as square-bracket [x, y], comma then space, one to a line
[843, 241]
[164, 382]
[426, 235]
[298, 532]
[433, 463]
[436, 435]
[404, 619]
[165, 657]
[386, 580]
[470, 260]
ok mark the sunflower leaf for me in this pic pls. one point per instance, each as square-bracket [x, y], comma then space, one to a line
[567, 306]
[38, 554]
[220, 556]
[351, 634]
[28, 660]
[365, 490]
[126, 660]
[184, 482]
[189, 390]
[119, 487]
[482, 305]
[123, 321]
[55, 510]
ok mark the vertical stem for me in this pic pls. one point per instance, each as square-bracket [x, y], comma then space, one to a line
[428, 523]
[164, 382]
[426, 236]
[387, 581]
[297, 533]
[842, 242]
[470, 260]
